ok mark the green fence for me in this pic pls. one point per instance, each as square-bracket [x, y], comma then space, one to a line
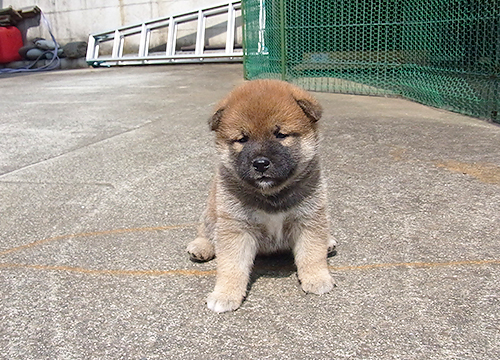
[443, 53]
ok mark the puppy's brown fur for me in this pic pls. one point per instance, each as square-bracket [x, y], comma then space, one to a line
[268, 194]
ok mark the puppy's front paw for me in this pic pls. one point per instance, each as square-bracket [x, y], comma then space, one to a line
[332, 244]
[201, 249]
[221, 302]
[320, 283]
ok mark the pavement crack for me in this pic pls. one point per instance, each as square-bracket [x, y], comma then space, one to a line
[76, 148]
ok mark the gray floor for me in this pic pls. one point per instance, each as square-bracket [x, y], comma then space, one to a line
[104, 173]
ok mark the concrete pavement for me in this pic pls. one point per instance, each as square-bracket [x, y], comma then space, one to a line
[103, 176]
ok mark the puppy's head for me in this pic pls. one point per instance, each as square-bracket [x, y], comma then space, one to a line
[266, 132]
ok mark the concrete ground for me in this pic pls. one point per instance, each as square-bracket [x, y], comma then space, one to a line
[104, 173]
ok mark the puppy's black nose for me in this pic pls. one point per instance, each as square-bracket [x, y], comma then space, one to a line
[261, 164]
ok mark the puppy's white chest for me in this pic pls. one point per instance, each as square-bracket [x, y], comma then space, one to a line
[272, 231]
[274, 225]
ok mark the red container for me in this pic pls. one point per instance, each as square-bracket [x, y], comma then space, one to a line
[10, 43]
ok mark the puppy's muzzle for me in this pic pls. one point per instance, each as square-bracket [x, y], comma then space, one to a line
[261, 164]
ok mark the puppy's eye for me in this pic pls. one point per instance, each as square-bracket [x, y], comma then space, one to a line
[242, 140]
[280, 135]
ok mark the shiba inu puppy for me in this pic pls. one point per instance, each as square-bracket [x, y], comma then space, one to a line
[268, 194]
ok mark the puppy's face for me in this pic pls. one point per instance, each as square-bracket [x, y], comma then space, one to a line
[266, 132]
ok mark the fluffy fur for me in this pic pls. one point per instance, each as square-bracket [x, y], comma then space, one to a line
[268, 195]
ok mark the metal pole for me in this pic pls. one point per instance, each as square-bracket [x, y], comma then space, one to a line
[283, 39]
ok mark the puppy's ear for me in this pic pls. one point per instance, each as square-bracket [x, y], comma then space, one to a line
[311, 108]
[214, 121]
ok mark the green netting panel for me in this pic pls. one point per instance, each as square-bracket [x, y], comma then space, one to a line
[443, 53]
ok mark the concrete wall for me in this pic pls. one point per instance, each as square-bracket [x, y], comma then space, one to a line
[74, 20]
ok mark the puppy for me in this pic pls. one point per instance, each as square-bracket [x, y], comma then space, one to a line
[268, 194]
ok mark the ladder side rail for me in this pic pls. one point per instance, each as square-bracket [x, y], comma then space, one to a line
[133, 31]
[186, 18]
[218, 11]
[159, 25]
[121, 29]
[177, 56]
[237, 5]
[195, 60]
[155, 22]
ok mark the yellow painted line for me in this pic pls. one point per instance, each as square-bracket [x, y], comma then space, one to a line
[415, 264]
[110, 272]
[95, 233]
[197, 272]
[485, 172]
[186, 272]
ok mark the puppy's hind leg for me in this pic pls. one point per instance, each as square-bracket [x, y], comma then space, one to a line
[201, 249]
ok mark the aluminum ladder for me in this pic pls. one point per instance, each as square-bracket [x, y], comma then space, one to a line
[143, 56]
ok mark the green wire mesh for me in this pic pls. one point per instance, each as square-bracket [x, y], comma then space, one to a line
[443, 53]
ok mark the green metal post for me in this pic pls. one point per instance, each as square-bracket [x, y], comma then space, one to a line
[283, 38]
